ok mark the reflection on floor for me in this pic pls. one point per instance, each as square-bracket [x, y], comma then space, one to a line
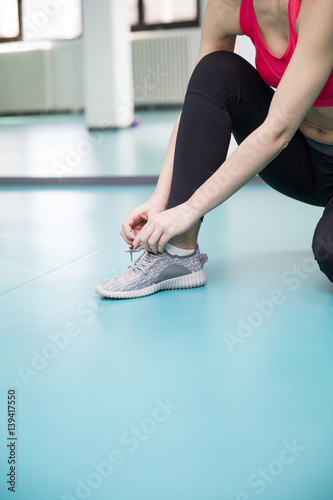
[58, 149]
[216, 393]
[61, 147]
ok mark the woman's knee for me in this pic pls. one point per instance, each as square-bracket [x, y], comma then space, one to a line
[222, 74]
[322, 245]
[220, 61]
[216, 73]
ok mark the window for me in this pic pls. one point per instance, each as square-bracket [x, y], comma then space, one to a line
[51, 19]
[134, 12]
[10, 28]
[152, 14]
[40, 19]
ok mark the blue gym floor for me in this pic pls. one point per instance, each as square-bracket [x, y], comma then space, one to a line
[218, 393]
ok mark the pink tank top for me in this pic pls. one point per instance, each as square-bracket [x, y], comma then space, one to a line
[270, 67]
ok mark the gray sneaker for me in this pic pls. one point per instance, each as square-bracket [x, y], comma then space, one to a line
[151, 273]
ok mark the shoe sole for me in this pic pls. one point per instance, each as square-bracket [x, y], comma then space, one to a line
[192, 280]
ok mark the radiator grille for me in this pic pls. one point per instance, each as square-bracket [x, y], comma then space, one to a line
[162, 65]
[45, 79]
[25, 83]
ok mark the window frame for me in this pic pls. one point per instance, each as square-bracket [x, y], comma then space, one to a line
[19, 37]
[142, 26]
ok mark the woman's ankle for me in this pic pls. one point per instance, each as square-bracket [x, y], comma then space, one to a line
[188, 240]
[184, 245]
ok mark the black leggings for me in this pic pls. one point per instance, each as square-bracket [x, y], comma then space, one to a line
[226, 95]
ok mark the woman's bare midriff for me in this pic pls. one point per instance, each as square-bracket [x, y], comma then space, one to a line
[318, 124]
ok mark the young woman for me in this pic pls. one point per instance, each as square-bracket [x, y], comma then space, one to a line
[285, 136]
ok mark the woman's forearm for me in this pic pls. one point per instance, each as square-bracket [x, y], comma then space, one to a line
[255, 152]
[251, 156]
[162, 190]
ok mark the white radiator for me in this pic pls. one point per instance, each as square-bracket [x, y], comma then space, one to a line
[162, 65]
[46, 77]
[39, 77]
[25, 85]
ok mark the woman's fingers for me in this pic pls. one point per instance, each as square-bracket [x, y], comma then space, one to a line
[127, 240]
[161, 228]
[162, 242]
[127, 229]
[142, 238]
[136, 221]
[154, 240]
[127, 233]
[131, 225]
[152, 245]
[150, 236]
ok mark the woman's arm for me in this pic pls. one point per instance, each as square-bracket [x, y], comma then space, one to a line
[219, 28]
[302, 82]
[163, 185]
[306, 75]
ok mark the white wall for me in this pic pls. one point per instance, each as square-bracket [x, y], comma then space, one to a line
[68, 75]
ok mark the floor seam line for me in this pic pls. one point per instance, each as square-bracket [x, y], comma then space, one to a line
[54, 270]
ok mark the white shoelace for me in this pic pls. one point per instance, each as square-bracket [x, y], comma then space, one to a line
[131, 251]
[144, 262]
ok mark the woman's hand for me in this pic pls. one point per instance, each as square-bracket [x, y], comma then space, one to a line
[138, 217]
[161, 227]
